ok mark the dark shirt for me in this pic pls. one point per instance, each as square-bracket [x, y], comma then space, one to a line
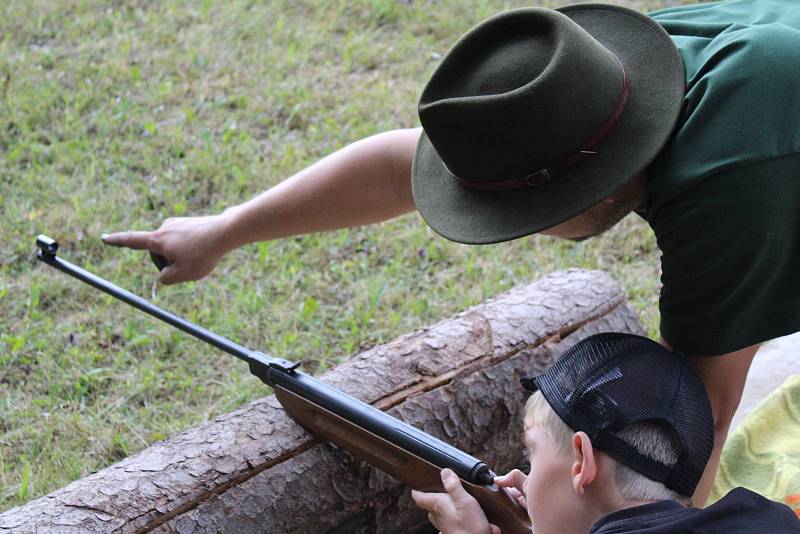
[724, 194]
[739, 512]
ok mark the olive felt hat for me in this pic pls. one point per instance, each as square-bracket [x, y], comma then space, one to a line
[535, 115]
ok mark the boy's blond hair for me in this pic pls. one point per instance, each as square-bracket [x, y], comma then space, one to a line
[650, 439]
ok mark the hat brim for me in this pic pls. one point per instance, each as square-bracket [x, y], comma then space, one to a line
[657, 87]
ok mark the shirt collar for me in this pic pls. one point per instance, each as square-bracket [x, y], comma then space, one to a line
[630, 515]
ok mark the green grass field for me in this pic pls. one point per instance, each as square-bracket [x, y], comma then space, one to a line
[115, 115]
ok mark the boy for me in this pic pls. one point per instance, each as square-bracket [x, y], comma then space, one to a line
[618, 431]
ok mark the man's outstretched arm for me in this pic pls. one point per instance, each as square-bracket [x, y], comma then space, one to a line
[365, 182]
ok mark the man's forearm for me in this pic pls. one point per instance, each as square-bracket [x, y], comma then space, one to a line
[365, 182]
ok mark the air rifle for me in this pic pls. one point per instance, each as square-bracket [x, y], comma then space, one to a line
[413, 457]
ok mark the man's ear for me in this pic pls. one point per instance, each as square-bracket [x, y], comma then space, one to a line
[584, 467]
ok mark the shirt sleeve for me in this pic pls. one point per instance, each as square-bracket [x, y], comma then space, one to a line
[731, 259]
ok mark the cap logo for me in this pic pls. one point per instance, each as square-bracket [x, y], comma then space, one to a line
[613, 374]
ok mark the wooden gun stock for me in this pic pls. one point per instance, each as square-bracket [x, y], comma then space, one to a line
[500, 508]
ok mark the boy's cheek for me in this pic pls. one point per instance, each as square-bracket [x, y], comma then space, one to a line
[530, 490]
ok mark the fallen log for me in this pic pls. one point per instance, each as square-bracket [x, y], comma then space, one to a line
[255, 470]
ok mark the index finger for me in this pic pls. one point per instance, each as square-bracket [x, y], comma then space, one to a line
[134, 239]
[513, 479]
[426, 501]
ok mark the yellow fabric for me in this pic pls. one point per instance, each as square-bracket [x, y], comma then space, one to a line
[763, 453]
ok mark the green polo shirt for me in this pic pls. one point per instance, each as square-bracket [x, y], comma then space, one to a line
[724, 195]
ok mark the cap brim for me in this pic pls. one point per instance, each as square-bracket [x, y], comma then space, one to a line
[657, 86]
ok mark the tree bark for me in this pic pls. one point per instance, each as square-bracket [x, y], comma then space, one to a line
[255, 470]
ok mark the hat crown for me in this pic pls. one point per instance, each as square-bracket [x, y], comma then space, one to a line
[520, 92]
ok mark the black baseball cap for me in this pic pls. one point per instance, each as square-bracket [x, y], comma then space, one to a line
[608, 381]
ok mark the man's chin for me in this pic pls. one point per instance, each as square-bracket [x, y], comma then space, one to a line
[576, 239]
[580, 238]
[594, 232]
[588, 231]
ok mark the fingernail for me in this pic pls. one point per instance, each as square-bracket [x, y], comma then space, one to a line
[447, 473]
[103, 236]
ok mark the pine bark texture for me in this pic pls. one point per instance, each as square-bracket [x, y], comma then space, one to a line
[255, 470]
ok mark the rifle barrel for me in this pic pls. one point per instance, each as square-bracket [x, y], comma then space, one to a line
[280, 372]
[47, 254]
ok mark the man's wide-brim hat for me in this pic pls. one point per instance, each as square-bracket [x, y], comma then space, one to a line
[535, 115]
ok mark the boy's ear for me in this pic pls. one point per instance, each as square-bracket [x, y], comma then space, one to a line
[584, 467]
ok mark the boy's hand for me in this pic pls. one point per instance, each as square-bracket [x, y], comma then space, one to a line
[454, 512]
[514, 481]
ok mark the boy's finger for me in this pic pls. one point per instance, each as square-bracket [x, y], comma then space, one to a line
[514, 479]
[426, 501]
[495, 529]
[452, 485]
[136, 240]
[510, 474]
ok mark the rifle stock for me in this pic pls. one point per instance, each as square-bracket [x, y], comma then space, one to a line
[413, 457]
[405, 466]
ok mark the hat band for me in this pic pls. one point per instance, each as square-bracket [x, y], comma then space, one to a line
[544, 175]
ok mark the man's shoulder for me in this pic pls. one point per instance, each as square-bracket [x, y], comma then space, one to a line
[709, 19]
[735, 40]
[741, 104]
[760, 50]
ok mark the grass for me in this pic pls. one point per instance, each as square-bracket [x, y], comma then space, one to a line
[116, 115]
